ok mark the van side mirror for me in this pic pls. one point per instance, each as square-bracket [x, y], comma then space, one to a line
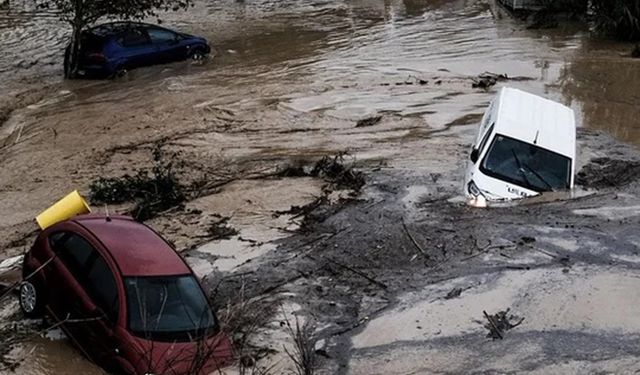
[474, 155]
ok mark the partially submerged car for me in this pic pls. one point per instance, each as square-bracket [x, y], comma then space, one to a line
[526, 145]
[124, 296]
[113, 48]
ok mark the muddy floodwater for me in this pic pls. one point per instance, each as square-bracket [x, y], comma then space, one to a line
[287, 83]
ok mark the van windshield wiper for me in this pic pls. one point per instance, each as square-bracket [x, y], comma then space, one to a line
[549, 186]
[521, 171]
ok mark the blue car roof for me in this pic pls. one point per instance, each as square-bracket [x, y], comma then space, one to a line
[114, 28]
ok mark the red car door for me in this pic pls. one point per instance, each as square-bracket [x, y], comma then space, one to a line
[85, 297]
[65, 293]
[101, 286]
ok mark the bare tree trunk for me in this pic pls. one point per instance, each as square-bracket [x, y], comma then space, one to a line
[72, 56]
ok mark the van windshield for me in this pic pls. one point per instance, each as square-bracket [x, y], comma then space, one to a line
[527, 165]
[168, 308]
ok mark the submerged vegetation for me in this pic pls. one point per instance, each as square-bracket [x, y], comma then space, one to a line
[619, 18]
[152, 191]
[333, 169]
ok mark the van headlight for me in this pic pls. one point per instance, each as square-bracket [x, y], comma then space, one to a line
[473, 189]
[478, 200]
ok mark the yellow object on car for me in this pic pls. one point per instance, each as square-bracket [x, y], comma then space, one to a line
[71, 205]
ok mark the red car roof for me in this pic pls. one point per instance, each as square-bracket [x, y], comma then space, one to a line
[138, 250]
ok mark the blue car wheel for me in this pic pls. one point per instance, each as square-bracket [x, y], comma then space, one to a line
[197, 54]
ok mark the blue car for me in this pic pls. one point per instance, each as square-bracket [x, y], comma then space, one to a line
[111, 49]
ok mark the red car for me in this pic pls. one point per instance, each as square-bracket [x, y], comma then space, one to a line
[124, 297]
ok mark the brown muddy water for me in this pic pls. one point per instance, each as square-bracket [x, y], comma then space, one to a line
[288, 80]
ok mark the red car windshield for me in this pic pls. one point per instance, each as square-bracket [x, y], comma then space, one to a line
[168, 308]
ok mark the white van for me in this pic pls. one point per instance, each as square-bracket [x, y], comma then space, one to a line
[526, 145]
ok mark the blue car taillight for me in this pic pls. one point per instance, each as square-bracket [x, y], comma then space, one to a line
[96, 58]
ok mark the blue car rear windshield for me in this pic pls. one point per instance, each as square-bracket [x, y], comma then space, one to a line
[527, 165]
[168, 308]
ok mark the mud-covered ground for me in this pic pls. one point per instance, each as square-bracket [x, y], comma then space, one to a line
[393, 278]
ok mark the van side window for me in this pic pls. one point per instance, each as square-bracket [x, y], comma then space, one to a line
[101, 286]
[488, 115]
[485, 139]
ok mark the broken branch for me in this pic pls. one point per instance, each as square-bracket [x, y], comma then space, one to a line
[361, 274]
[493, 324]
[415, 243]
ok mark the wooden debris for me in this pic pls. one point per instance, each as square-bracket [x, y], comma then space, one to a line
[499, 323]
[415, 243]
[369, 121]
[359, 273]
[454, 293]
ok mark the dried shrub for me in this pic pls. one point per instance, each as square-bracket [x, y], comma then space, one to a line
[242, 317]
[153, 191]
[304, 343]
[333, 169]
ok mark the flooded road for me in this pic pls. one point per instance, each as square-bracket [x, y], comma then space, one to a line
[337, 58]
[288, 81]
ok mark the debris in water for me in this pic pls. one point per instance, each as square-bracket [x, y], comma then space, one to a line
[488, 79]
[296, 169]
[370, 121]
[500, 322]
[454, 293]
[221, 230]
[606, 172]
[330, 168]
[415, 243]
[335, 170]
[298, 211]
[153, 192]
[527, 240]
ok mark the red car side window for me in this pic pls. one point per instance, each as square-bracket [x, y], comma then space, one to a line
[75, 253]
[90, 270]
[101, 286]
[55, 238]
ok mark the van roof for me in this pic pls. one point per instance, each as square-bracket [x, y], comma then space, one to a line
[536, 120]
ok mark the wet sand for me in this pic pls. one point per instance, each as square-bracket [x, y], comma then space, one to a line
[288, 83]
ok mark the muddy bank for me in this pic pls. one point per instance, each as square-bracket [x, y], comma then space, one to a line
[376, 276]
